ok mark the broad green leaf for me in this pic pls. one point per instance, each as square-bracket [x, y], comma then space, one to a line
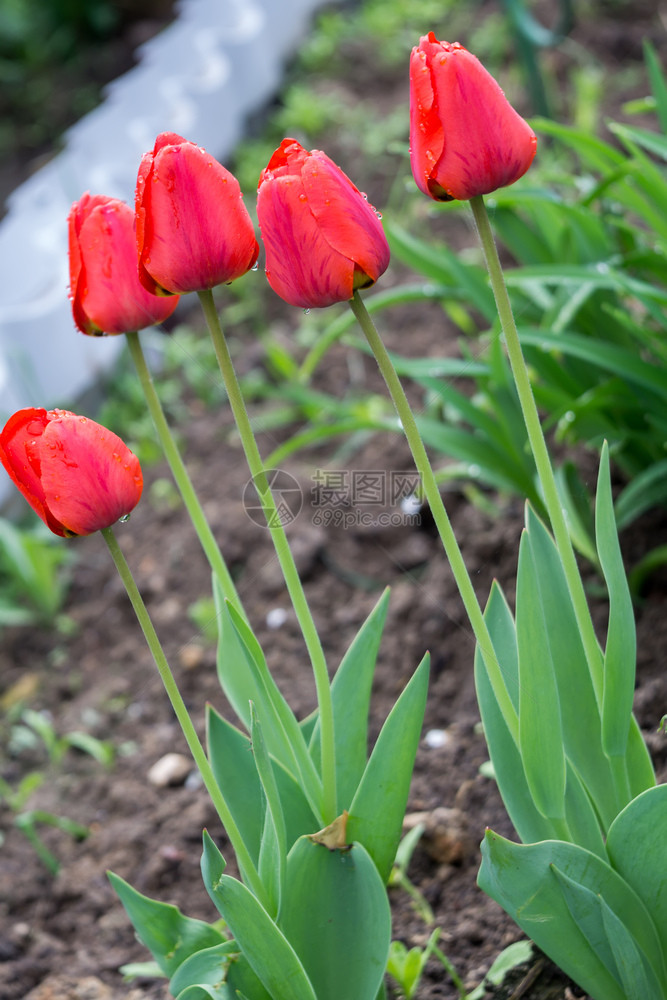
[378, 807]
[540, 727]
[219, 973]
[509, 771]
[351, 692]
[264, 946]
[203, 974]
[580, 715]
[521, 879]
[336, 916]
[246, 678]
[610, 940]
[637, 848]
[637, 977]
[233, 764]
[621, 647]
[170, 936]
[273, 848]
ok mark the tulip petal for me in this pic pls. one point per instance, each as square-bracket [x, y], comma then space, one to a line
[487, 142]
[427, 137]
[105, 291]
[77, 272]
[19, 453]
[114, 301]
[465, 137]
[346, 220]
[193, 230]
[301, 266]
[89, 476]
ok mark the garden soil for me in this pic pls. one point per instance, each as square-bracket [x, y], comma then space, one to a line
[64, 937]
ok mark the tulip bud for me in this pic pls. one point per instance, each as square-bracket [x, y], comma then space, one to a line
[105, 291]
[465, 137]
[193, 230]
[75, 474]
[322, 238]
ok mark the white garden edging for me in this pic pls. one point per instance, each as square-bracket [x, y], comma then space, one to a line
[200, 77]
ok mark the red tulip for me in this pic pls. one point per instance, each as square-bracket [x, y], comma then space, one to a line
[465, 138]
[322, 238]
[105, 291]
[75, 474]
[193, 230]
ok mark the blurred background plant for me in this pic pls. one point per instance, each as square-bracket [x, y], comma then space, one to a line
[593, 328]
[29, 732]
[34, 576]
[78, 44]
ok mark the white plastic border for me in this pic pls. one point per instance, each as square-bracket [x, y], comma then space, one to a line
[200, 77]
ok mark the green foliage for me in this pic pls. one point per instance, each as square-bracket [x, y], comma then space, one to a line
[33, 578]
[578, 785]
[593, 329]
[32, 731]
[37, 39]
[319, 924]
[598, 929]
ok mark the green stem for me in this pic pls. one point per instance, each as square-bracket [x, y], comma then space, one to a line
[180, 473]
[284, 554]
[440, 516]
[539, 447]
[196, 749]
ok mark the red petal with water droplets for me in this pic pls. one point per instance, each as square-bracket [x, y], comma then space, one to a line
[193, 230]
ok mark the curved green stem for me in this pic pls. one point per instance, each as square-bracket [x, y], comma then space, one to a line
[285, 557]
[180, 473]
[196, 749]
[440, 516]
[539, 447]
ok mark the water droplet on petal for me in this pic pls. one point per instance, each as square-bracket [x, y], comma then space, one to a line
[124, 518]
[306, 312]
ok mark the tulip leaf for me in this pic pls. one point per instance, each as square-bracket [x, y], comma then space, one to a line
[507, 764]
[580, 715]
[218, 973]
[169, 935]
[246, 678]
[233, 764]
[265, 948]
[636, 975]
[540, 727]
[273, 848]
[529, 823]
[637, 850]
[621, 648]
[203, 975]
[378, 807]
[336, 916]
[351, 693]
[521, 878]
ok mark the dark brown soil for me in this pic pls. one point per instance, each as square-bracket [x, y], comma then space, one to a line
[64, 938]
